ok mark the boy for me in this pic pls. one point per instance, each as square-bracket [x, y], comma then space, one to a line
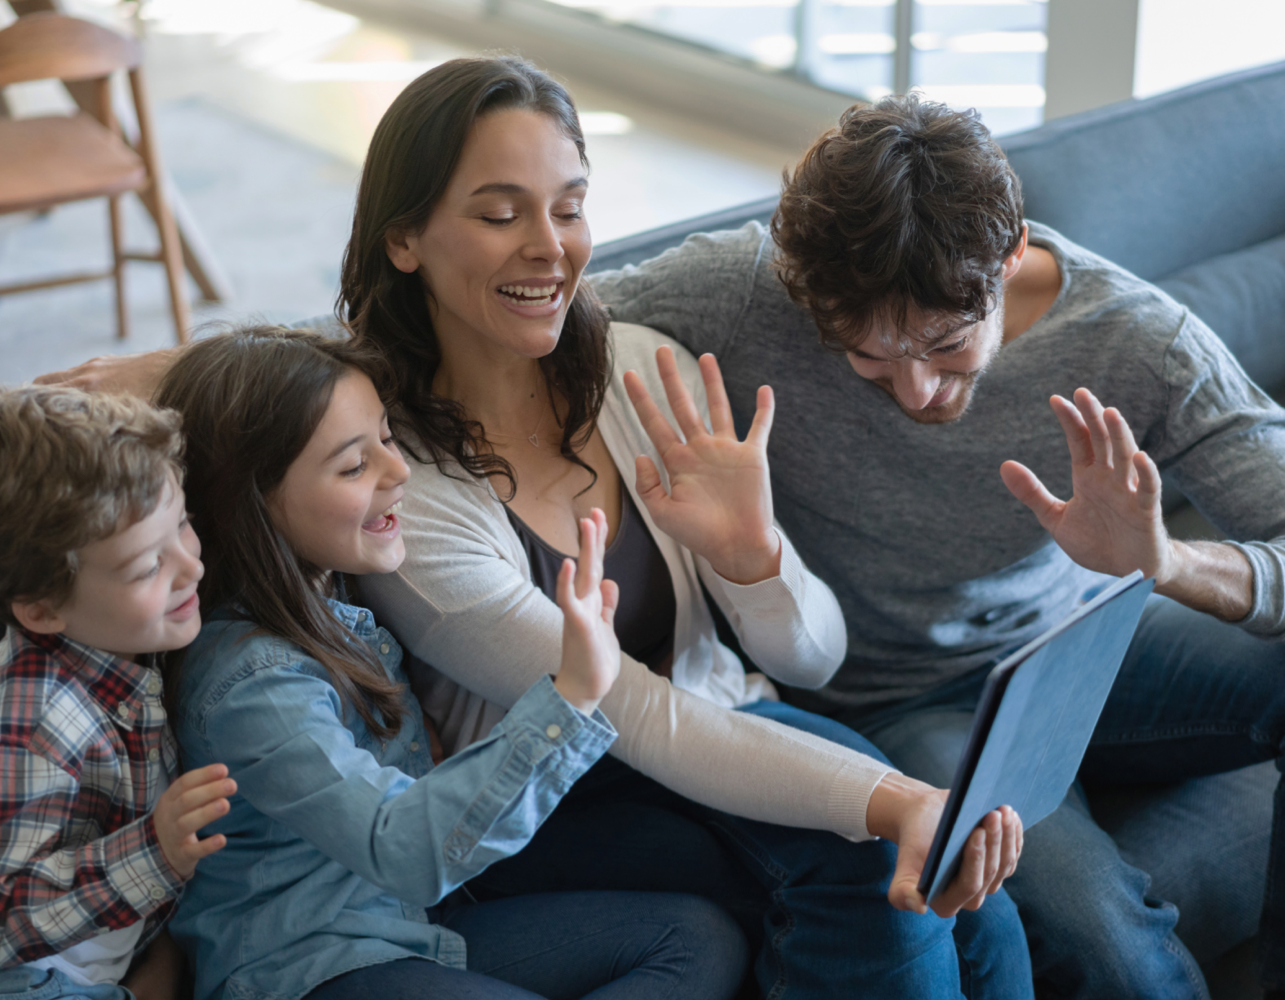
[98, 567]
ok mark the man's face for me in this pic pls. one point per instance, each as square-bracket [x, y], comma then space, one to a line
[934, 382]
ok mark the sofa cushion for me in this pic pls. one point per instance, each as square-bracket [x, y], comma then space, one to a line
[1242, 297]
[1158, 184]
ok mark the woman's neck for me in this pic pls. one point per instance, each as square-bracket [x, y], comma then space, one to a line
[505, 393]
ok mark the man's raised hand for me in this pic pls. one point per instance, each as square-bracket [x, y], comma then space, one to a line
[1113, 522]
[719, 503]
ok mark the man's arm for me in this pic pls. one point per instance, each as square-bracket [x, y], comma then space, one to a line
[697, 292]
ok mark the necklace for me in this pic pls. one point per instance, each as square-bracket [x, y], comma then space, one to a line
[534, 436]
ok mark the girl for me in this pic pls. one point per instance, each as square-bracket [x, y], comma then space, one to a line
[345, 842]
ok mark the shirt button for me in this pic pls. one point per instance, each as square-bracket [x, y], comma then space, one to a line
[553, 732]
[384, 647]
[157, 892]
[154, 686]
[414, 746]
[153, 755]
[122, 710]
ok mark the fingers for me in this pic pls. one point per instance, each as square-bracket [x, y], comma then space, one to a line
[764, 411]
[593, 532]
[1149, 486]
[970, 883]
[204, 848]
[565, 586]
[197, 819]
[1091, 412]
[720, 410]
[680, 400]
[1026, 486]
[1078, 440]
[1012, 846]
[610, 601]
[658, 429]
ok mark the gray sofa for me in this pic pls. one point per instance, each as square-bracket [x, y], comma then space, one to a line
[1187, 190]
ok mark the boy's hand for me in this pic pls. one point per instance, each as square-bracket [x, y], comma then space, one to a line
[590, 649]
[194, 801]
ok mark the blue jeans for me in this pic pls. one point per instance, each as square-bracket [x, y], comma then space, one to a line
[1194, 697]
[562, 946]
[26, 983]
[813, 904]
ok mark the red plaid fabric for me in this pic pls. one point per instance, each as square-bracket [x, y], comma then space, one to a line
[84, 753]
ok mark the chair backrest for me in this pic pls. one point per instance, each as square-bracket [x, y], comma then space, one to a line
[52, 46]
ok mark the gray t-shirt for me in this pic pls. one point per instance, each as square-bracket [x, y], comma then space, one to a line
[937, 567]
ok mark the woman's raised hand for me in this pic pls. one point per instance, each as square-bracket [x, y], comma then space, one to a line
[719, 503]
[590, 649]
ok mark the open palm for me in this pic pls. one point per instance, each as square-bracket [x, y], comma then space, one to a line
[719, 502]
[1113, 522]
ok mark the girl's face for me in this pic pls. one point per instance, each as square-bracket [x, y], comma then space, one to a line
[337, 504]
[503, 251]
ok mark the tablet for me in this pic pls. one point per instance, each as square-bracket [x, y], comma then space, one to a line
[1034, 721]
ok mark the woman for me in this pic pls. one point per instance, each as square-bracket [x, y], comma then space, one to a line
[463, 271]
[343, 831]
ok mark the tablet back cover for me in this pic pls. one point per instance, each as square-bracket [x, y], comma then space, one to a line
[1045, 717]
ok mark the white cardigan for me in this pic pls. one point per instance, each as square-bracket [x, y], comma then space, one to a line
[463, 602]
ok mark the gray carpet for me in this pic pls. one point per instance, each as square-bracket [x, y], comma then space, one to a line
[275, 212]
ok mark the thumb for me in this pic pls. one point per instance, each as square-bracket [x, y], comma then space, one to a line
[904, 892]
[1026, 486]
[647, 482]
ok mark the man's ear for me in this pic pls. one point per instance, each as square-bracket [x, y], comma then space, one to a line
[397, 246]
[38, 616]
[1014, 262]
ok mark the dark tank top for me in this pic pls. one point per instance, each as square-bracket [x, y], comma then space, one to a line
[645, 616]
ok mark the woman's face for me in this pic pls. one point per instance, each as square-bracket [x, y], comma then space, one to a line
[337, 504]
[503, 251]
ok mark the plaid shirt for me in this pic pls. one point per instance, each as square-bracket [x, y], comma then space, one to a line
[84, 752]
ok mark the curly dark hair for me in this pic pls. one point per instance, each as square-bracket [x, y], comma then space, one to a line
[412, 155]
[906, 203]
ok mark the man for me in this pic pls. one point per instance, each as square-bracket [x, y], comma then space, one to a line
[900, 238]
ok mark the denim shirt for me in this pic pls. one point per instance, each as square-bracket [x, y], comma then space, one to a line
[338, 841]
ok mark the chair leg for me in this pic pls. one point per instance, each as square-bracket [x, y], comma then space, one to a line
[172, 258]
[118, 267]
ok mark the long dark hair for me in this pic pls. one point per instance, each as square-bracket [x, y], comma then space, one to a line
[250, 401]
[412, 155]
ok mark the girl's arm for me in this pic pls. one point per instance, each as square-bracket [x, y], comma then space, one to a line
[278, 724]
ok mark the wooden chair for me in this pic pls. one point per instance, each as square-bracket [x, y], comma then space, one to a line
[57, 159]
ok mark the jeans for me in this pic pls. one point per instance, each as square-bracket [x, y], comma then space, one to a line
[562, 946]
[813, 904]
[1194, 697]
[26, 983]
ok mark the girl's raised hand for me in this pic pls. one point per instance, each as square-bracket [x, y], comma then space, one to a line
[590, 649]
[719, 503]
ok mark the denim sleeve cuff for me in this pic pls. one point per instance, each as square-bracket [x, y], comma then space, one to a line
[1267, 616]
[542, 723]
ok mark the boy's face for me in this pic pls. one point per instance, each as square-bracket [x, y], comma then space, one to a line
[135, 591]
